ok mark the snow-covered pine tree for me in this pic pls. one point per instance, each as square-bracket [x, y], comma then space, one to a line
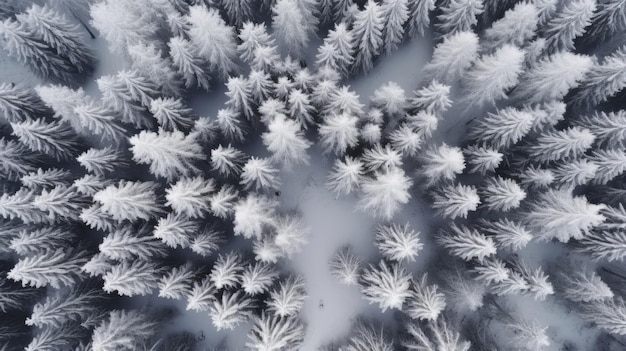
[509, 234]
[266, 251]
[176, 284]
[56, 30]
[223, 201]
[128, 243]
[609, 19]
[570, 22]
[56, 268]
[441, 163]
[557, 214]
[367, 32]
[169, 154]
[258, 173]
[434, 98]
[552, 77]
[171, 113]
[253, 36]
[491, 271]
[60, 204]
[76, 305]
[215, 41]
[574, 173]
[337, 52]
[344, 100]
[419, 16]
[291, 28]
[398, 242]
[37, 241]
[346, 176]
[585, 286]
[517, 27]
[502, 129]
[482, 159]
[396, 14]
[230, 309]
[290, 234]
[607, 314]
[189, 196]
[272, 332]
[570, 143]
[176, 230]
[425, 302]
[129, 93]
[346, 266]
[492, 76]
[188, 63]
[19, 103]
[132, 278]
[96, 218]
[529, 335]
[453, 201]
[260, 85]
[371, 134]
[610, 164]
[390, 99]
[239, 96]
[102, 162]
[207, 242]
[603, 80]
[149, 61]
[129, 201]
[538, 284]
[405, 139]
[237, 11]
[459, 16]
[385, 193]
[368, 336]
[46, 179]
[230, 124]
[501, 194]
[252, 215]
[257, 278]
[609, 245]
[287, 299]
[286, 141]
[55, 139]
[123, 329]
[300, 108]
[227, 160]
[452, 57]
[338, 133]
[609, 128]
[22, 44]
[227, 270]
[466, 243]
[202, 295]
[387, 284]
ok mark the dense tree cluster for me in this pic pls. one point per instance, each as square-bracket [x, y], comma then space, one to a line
[114, 187]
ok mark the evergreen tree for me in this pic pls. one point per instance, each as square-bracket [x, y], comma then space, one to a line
[459, 16]
[207, 242]
[230, 124]
[367, 31]
[426, 302]
[50, 339]
[190, 196]
[46, 179]
[169, 154]
[511, 235]
[467, 243]
[482, 159]
[386, 284]
[441, 163]
[585, 286]
[227, 160]
[60, 203]
[337, 51]
[223, 202]
[609, 245]
[230, 309]
[149, 61]
[288, 298]
[501, 194]
[565, 144]
[383, 195]
[172, 114]
[291, 234]
[406, 140]
[213, 38]
[300, 107]
[188, 63]
[123, 329]
[56, 268]
[398, 242]
[237, 11]
[55, 139]
[609, 19]
[128, 92]
[176, 284]
[396, 13]
[102, 162]
[271, 332]
[32, 242]
[603, 80]
[419, 16]
[552, 77]
[557, 214]
[492, 76]
[129, 201]
[258, 173]
[608, 128]
[346, 176]
[202, 295]
[126, 244]
[226, 272]
[610, 164]
[434, 98]
[367, 337]
[291, 28]
[338, 133]
[253, 215]
[528, 335]
[346, 266]
[175, 231]
[463, 293]
[132, 278]
[239, 96]
[77, 305]
[452, 57]
[257, 278]
[58, 32]
[517, 27]
[568, 24]
[253, 36]
[576, 172]
[286, 141]
[19, 103]
[452, 201]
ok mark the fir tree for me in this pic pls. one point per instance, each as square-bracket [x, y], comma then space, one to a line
[346, 266]
[396, 13]
[171, 113]
[288, 298]
[257, 278]
[19, 103]
[169, 154]
[271, 332]
[129, 201]
[253, 36]
[337, 51]
[149, 61]
[609, 245]
[367, 337]
[367, 31]
[585, 286]
[557, 214]
[189, 196]
[441, 163]
[252, 215]
[501, 194]
[32, 242]
[128, 92]
[207, 242]
[386, 284]
[132, 278]
[406, 140]
[462, 292]
[568, 24]
[103, 161]
[338, 133]
[123, 329]
[237, 11]
[603, 80]
[56, 268]
[426, 302]
[492, 76]
[76, 305]
[434, 98]
[126, 243]
[223, 202]
[230, 124]
[54, 139]
[189, 64]
[452, 57]
[259, 174]
[47, 179]
[285, 140]
[384, 194]
[227, 160]
[230, 310]
[202, 295]
[291, 28]
[459, 16]
[529, 335]
[610, 164]
[452, 201]
[482, 159]
[502, 129]
[419, 16]
[467, 243]
[511, 235]
[175, 231]
[561, 145]
[608, 128]
[517, 27]
[213, 38]
[608, 20]
[300, 107]
[291, 235]
[398, 242]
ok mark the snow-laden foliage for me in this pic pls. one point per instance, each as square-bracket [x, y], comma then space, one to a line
[385, 193]
[452, 57]
[386, 284]
[398, 242]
